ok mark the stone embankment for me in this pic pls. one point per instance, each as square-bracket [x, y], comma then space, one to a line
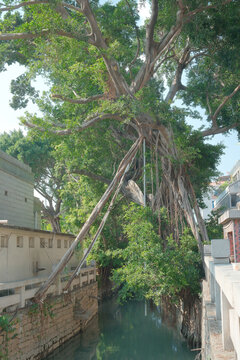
[40, 330]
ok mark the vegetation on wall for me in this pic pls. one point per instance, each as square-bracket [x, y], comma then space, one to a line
[7, 331]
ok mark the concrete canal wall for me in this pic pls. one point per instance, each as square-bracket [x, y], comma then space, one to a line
[220, 305]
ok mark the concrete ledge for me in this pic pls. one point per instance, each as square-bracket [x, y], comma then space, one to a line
[228, 280]
[212, 347]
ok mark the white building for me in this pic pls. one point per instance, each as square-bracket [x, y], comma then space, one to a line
[17, 202]
[212, 195]
[26, 252]
[229, 198]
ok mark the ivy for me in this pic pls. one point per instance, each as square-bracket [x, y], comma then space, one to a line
[7, 327]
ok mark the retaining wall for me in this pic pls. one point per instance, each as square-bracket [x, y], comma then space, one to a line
[38, 331]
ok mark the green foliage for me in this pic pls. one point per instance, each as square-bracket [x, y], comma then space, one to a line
[151, 268]
[7, 327]
[44, 309]
[215, 230]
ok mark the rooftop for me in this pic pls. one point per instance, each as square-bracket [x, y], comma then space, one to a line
[12, 227]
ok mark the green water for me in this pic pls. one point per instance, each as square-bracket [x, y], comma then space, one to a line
[125, 333]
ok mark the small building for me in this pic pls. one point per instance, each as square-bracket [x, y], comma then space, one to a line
[211, 196]
[228, 198]
[25, 251]
[29, 253]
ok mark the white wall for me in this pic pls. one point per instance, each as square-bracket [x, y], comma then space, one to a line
[13, 206]
[19, 263]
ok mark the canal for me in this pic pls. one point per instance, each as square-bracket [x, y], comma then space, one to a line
[126, 333]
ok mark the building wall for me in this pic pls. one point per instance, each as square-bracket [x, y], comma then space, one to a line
[39, 331]
[209, 202]
[16, 192]
[23, 251]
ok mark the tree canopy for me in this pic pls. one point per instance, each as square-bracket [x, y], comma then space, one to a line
[112, 82]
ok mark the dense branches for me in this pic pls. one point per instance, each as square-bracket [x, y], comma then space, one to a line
[125, 81]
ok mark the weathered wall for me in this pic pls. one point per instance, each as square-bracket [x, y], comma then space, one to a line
[16, 192]
[45, 252]
[39, 332]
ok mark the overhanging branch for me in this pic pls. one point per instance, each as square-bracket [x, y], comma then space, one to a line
[80, 128]
[39, 2]
[214, 117]
[45, 32]
[218, 130]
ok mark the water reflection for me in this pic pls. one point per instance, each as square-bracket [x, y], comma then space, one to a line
[125, 333]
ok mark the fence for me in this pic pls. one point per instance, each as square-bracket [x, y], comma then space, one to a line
[18, 293]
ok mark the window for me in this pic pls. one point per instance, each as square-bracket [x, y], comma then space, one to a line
[5, 193]
[58, 243]
[25, 199]
[31, 242]
[4, 241]
[233, 200]
[19, 241]
[50, 243]
[70, 242]
[65, 244]
[42, 243]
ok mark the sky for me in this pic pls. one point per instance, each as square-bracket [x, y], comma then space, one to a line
[10, 118]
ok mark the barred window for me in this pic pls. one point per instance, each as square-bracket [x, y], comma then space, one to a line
[4, 241]
[19, 241]
[65, 244]
[42, 243]
[59, 243]
[31, 242]
[50, 243]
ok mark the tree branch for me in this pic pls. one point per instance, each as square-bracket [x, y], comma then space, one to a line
[209, 108]
[22, 4]
[154, 50]
[203, 53]
[201, 9]
[138, 39]
[214, 117]
[80, 128]
[177, 81]
[92, 175]
[150, 29]
[78, 101]
[218, 130]
[95, 38]
[39, 2]
[45, 32]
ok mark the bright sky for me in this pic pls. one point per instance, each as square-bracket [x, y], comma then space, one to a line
[10, 117]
